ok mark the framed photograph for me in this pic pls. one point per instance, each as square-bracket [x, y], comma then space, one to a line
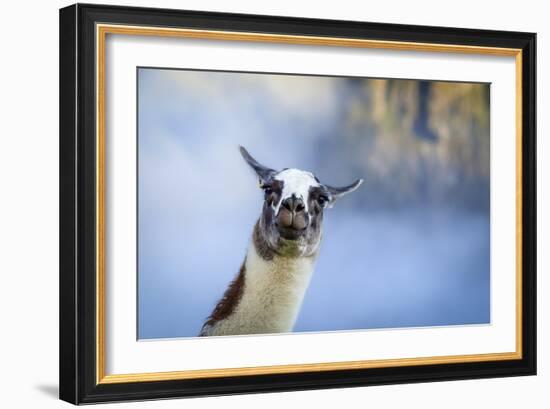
[257, 203]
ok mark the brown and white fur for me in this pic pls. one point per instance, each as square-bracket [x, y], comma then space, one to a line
[266, 295]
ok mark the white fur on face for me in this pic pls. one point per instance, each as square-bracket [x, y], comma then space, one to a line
[296, 182]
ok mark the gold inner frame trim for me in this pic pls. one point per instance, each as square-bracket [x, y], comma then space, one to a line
[101, 33]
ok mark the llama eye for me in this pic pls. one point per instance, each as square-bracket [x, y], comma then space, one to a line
[268, 191]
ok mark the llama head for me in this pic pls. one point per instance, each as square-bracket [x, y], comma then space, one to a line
[292, 213]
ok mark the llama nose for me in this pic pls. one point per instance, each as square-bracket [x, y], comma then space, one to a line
[294, 204]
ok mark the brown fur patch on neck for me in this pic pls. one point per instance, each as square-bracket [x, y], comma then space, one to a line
[262, 248]
[228, 302]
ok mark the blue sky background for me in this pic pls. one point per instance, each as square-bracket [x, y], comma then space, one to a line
[410, 248]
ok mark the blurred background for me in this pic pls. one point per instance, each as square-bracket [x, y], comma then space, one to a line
[409, 248]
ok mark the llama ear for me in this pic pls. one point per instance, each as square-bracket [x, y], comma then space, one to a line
[262, 171]
[338, 192]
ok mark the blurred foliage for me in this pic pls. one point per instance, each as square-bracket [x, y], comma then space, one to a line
[414, 142]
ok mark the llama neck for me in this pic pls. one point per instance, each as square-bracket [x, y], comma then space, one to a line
[270, 291]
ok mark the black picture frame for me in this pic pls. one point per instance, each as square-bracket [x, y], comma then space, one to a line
[78, 313]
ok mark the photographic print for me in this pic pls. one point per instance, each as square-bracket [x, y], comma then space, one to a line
[265, 203]
[279, 203]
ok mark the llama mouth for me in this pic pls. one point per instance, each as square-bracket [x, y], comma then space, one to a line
[291, 233]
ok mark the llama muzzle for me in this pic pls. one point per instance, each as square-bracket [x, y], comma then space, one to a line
[292, 214]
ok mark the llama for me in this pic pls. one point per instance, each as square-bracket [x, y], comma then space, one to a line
[266, 295]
